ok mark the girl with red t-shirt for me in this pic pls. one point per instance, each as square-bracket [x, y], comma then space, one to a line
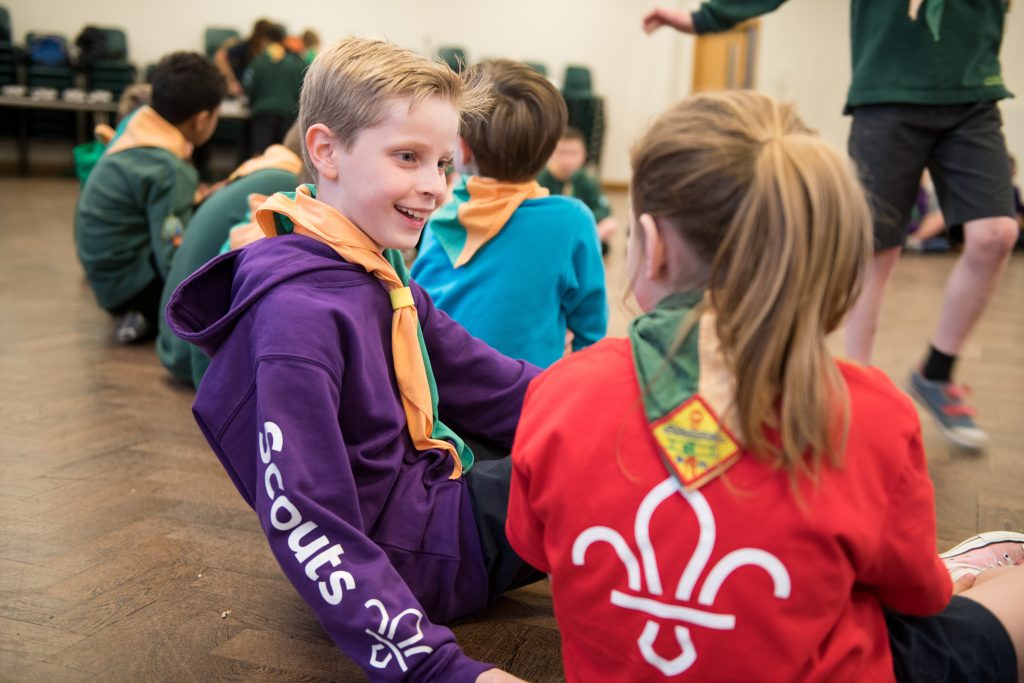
[716, 497]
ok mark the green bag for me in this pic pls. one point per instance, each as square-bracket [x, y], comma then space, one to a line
[85, 157]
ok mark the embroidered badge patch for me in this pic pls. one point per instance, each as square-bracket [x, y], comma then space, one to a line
[696, 446]
[173, 230]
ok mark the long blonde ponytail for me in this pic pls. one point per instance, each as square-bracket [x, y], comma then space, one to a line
[782, 218]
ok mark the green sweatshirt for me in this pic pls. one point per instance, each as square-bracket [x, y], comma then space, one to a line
[206, 233]
[131, 214]
[273, 86]
[582, 187]
[897, 60]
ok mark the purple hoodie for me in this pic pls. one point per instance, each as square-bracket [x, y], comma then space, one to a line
[301, 406]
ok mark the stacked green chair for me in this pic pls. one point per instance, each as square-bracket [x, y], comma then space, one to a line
[577, 82]
[539, 67]
[9, 57]
[586, 110]
[60, 77]
[454, 56]
[8, 53]
[215, 37]
[113, 72]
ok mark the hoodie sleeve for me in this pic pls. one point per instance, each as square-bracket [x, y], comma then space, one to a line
[585, 300]
[307, 503]
[480, 391]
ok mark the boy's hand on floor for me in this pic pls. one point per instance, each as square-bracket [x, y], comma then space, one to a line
[497, 676]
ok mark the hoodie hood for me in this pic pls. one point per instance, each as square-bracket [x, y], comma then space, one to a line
[205, 307]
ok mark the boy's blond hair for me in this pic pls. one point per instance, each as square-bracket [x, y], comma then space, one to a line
[781, 217]
[349, 86]
[520, 129]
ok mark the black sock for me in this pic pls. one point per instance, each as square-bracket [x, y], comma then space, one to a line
[939, 366]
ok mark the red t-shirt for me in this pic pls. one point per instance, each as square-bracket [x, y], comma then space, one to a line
[742, 580]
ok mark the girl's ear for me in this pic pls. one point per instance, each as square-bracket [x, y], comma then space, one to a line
[320, 146]
[655, 263]
[465, 163]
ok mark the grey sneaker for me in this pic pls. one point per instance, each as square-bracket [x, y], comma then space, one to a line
[945, 402]
[132, 328]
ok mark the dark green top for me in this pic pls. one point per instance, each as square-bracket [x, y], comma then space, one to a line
[897, 60]
[133, 208]
[206, 233]
[273, 87]
[582, 187]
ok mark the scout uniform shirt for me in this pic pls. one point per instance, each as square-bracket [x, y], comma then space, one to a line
[133, 209]
[516, 267]
[581, 186]
[276, 170]
[676, 555]
[946, 52]
[273, 81]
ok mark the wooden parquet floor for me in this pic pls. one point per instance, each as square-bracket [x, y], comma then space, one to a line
[127, 555]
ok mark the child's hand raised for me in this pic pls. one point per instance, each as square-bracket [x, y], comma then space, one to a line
[660, 16]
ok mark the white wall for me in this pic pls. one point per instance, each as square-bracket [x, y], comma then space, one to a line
[803, 57]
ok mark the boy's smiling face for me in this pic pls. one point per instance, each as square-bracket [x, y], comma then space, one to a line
[392, 178]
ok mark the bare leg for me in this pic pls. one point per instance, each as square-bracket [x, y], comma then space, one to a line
[987, 243]
[932, 225]
[1002, 593]
[862, 323]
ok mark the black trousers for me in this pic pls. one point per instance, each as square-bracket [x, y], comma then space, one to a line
[489, 481]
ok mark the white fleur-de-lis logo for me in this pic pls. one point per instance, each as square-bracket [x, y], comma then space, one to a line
[670, 611]
[385, 634]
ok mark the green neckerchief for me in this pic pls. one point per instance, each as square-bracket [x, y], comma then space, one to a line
[665, 382]
[445, 225]
[932, 15]
[694, 445]
[394, 257]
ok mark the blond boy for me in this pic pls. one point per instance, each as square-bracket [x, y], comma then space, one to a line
[334, 363]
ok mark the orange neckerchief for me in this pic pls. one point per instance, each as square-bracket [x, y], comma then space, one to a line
[322, 222]
[103, 133]
[275, 52]
[491, 203]
[247, 233]
[148, 129]
[276, 157]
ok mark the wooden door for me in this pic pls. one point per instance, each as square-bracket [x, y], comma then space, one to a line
[724, 61]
